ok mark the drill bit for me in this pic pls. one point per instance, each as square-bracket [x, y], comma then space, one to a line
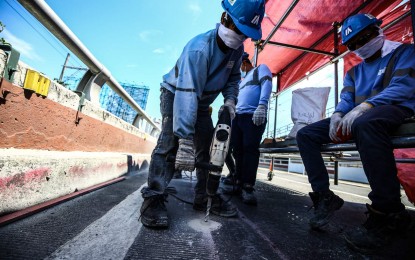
[209, 205]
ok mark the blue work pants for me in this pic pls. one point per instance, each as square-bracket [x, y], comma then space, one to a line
[246, 137]
[371, 132]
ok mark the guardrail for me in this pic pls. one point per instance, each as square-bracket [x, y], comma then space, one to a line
[97, 75]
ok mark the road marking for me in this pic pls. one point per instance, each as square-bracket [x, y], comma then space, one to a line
[109, 237]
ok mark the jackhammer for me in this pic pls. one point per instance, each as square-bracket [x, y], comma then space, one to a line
[218, 150]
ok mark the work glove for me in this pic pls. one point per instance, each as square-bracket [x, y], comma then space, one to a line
[260, 115]
[185, 157]
[347, 121]
[230, 103]
[334, 124]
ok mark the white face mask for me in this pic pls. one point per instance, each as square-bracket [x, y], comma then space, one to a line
[243, 74]
[370, 48]
[230, 38]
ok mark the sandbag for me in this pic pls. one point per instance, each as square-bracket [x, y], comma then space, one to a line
[308, 106]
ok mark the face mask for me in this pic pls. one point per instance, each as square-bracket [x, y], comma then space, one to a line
[230, 38]
[370, 48]
[243, 74]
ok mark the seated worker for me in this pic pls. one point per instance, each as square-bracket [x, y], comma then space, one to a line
[209, 65]
[249, 125]
[377, 96]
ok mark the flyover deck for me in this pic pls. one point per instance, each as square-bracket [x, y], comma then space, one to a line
[103, 225]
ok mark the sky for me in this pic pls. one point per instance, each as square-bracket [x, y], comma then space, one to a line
[137, 41]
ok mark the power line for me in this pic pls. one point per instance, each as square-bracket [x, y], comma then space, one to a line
[39, 33]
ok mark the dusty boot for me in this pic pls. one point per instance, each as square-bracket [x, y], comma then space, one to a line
[325, 204]
[248, 195]
[378, 230]
[177, 175]
[219, 206]
[234, 189]
[229, 179]
[154, 212]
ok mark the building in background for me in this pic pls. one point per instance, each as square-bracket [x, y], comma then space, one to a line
[113, 103]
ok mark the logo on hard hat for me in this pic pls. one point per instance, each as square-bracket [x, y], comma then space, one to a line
[348, 30]
[232, 2]
[255, 20]
[370, 16]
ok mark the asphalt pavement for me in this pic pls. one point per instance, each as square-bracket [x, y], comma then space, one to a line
[104, 225]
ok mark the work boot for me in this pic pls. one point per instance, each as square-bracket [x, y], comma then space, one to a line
[177, 175]
[229, 179]
[248, 195]
[378, 231]
[325, 204]
[235, 189]
[219, 206]
[154, 212]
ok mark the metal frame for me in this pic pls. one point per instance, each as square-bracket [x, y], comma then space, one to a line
[401, 142]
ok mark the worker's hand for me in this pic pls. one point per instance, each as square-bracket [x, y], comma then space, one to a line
[347, 121]
[260, 115]
[334, 125]
[185, 157]
[230, 103]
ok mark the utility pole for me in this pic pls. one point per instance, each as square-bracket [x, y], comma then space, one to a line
[63, 67]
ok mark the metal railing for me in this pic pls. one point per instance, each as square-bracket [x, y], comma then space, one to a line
[283, 131]
[97, 75]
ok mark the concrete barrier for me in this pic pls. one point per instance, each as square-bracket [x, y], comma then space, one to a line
[49, 148]
[30, 177]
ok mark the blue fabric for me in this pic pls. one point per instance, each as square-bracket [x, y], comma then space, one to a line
[250, 94]
[245, 140]
[201, 73]
[371, 132]
[368, 83]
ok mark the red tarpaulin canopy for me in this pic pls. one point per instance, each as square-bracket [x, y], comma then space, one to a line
[309, 24]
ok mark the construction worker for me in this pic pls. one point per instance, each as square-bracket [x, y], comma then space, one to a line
[209, 65]
[249, 126]
[378, 95]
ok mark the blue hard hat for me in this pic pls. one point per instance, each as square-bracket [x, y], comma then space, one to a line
[247, 15]
[357, 23]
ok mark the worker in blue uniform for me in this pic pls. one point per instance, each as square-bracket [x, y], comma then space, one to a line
[249, 126]
[378, 95]
[209, 65]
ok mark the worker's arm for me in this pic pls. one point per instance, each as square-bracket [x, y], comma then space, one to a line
[191, 79]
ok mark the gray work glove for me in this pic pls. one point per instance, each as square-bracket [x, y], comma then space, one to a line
[230, 103]
[347, 121]
[185, 157]
[334, 124]
[260, 115]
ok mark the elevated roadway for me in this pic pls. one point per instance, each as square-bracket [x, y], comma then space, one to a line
[104, 225]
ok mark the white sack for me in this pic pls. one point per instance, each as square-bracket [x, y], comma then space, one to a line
[308, 106]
